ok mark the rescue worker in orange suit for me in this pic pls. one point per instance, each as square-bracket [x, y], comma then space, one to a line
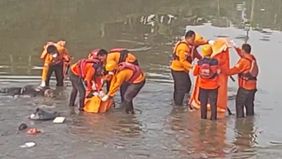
[120, 55]
[247, 71]
[207, 69]
[125, 72]
[84, 76]
[55, 57]
[183, 55]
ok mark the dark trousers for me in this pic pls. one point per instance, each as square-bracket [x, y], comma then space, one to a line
[245, 99]
[122, 90]
[182, 85]
[128, 94]
[58, 69]
[208, 96]
[77, 86]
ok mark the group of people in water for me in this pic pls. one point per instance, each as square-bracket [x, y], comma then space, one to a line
[211, 72]
[119, 69]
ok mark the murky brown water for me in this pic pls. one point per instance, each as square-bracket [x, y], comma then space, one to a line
[157, 130]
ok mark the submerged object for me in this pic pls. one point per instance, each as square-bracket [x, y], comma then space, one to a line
[33, 131]
[28, 145]
[59, 120]
[40, 114]
[22, 126]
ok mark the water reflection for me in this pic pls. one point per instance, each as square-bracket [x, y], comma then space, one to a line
[198, 138]
[245, 137]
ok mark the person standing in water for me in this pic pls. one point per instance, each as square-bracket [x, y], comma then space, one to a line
[183, 55]
[247, 70]
[207, 69]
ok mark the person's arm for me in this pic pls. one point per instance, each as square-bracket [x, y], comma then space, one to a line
[196, 70]
[239, 51]
[43, 54]
[238, 68]
[66, 55]
[116, 83]
[183, 57]
[89, 78]
[196, 54]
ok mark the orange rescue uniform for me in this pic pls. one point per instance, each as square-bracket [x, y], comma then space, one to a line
[182, 57]
[115, 56]
[48, 59]
[243, 66]
[89, 72]
[123, 76]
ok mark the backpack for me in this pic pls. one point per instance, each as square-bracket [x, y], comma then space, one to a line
[208, 68]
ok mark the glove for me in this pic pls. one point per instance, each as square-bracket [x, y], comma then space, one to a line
[105, 98]
[101, 94]
[93, 87]
[43, 84]
[211, 42]
[233, 44]
[54, 55]
[111, 73]
[95, 93]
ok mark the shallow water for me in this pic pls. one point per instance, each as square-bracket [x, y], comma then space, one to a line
[157, 130]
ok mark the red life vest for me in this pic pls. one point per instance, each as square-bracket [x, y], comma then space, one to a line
[97, 65]
[252, 73]
[208, 68]
[136, 70]
[189, 57]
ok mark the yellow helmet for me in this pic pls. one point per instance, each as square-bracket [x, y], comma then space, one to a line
[206, 50]
[111, 65]
[198, 37]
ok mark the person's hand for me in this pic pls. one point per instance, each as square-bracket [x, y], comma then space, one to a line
[101, 94]
[105, 98]
[93, 87]
[95, 93]
[211, 42]
[233, 44]
[111, 73]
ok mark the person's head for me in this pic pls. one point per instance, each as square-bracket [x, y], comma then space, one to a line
[52, 49]
[190, 37]
[111, 66]
[206, 50]
[102, 54]
[246, 48]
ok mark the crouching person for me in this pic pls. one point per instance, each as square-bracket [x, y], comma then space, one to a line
[83, 76]
[207, 69]
[129, 73]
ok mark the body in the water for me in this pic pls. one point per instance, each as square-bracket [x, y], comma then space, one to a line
[28, 90]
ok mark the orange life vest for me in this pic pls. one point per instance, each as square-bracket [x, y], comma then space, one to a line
[248, 78]
[136, 70]
[189, 57]
[97, 64]
[252, 73]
